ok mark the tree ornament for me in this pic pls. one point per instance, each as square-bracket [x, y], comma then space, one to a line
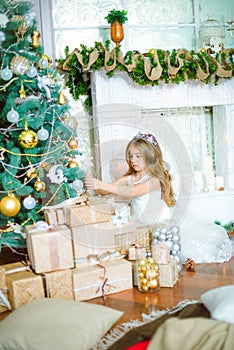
[32, 72]
[28, 138]
[39, 186]
[48, 59]
[22, 92]
[42, 134]
[56, 175]
[2, 37]
[73, 143]
[19, 65]
[6, 74]
[29, 202]
[31, 173]
[78, 185]
[13, 116]
[61, 99]
[10, 205]
[73, 164]
[43, 63]
[35, 39]
[20, 31]
[152, 51]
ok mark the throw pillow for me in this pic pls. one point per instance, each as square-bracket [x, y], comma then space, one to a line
[220, 302]
[56, 324]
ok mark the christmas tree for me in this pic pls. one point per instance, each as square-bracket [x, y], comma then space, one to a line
[38, 140]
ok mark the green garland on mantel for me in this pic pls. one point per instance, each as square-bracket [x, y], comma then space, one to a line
[149, 68]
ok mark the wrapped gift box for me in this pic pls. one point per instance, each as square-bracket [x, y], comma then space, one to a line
[23, 285]
[96, 238]
[168, 274]
[2, 278]
[161, 253]
[140, 236]
[56, 214]
[93, 212]
[49, 249]
[95, 281]
[59, 284]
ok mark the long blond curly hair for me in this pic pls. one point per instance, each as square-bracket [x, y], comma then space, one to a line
[157, 167]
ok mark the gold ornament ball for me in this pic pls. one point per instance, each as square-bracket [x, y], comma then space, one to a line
[39, 186]
[72, 164]
[10, 205]
[152, 51]
[28, 139]
[73, 144]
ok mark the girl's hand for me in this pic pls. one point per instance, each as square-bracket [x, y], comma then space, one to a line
[91, 183]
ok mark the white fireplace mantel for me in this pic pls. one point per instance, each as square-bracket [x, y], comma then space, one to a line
[113, 100]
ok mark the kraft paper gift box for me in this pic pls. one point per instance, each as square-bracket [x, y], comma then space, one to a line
[2, 278]
[96, 238]
[168, 274]
[23, 285]
[91, 213]
[49, 249]
[59, 284]
[100, 280]
[56, 214]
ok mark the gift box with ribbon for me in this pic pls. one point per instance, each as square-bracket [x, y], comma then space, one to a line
[56, 214]
[92, 281]
[168, 274]
[161, 253]
[23, 285]
[49, 248]
[96, 238]
[94, 211]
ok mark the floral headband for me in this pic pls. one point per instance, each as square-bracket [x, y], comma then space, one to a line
[148, 137]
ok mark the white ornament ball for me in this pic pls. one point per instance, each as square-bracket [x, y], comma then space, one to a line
[169, 244]
[176, 247]
[42, 134]
[28, 20]
[13, 116]
[6, 74]
[43, 63]
[2, 36]
[29, 202]
[175, 229]
[77, 185]
[32, 72]
[176, 238]
[162, 236]
[169, 235]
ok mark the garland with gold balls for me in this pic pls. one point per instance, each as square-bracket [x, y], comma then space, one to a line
[144, 69]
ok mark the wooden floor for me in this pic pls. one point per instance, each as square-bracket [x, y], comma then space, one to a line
[189, 286]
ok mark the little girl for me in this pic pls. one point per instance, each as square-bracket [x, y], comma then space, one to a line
[147, 182]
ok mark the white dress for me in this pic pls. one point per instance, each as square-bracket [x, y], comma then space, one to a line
[202, 241]
[147, 209]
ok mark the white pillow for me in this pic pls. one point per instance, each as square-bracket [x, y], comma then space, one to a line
[52, 324]
[220, 302]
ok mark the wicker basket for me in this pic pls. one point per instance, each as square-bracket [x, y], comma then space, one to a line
[142, 236]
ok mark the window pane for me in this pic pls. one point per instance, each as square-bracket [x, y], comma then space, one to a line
[166, 39]
[73, 39]
[160, 11]
[77, 13]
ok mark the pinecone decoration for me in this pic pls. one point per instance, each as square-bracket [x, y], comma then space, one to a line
[190, 265]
